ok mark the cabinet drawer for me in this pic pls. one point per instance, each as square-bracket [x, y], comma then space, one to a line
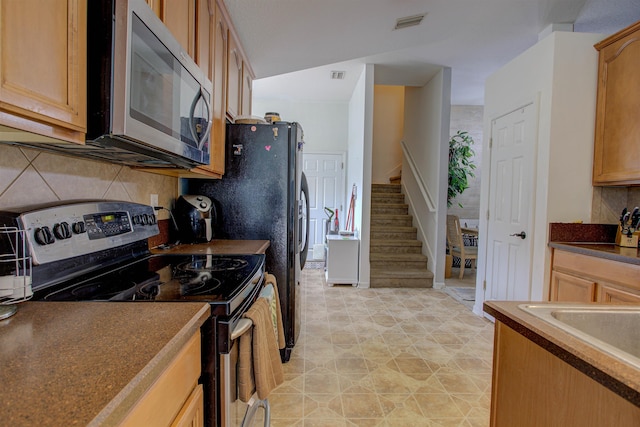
[598, 269]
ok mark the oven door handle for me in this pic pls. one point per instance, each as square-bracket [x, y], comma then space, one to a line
[243, 326]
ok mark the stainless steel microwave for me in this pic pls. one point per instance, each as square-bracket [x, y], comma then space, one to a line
[148, 103]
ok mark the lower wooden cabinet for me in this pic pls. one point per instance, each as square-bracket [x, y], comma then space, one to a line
[532, 387]
[583, 278]
[612, 293]
[176, 398]
[565, 287]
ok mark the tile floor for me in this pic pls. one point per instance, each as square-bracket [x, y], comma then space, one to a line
[385, 357]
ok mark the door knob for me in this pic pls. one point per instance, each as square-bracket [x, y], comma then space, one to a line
[521, 235]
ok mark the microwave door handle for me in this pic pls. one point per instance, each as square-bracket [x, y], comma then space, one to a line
[192, 126]
[207, 131]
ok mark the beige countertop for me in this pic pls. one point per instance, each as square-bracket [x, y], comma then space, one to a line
[87, 363]
[619, 377]
[218, 246]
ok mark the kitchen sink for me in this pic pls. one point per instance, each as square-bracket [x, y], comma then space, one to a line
[612, 329]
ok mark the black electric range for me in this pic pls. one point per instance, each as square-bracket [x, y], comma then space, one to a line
[98, 251]
[224, 281]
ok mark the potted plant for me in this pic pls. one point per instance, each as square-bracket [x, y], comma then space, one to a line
[460, 165]
[460, 170]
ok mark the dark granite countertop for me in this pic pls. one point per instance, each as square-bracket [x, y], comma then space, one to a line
[87, 363]
[619, 377]
[591, 239]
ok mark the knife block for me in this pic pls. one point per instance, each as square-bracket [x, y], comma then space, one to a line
[625, 241]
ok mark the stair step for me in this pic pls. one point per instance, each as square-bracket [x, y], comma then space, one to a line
[396, 260]
[391, 220]
[390, 209]
[387, 198]
[401, 278]
[388, 233]
[395, 179]
[385, 188]
[395, 254]
[395, 246]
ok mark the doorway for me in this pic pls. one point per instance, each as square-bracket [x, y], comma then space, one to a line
[325, 177]
[511, 197]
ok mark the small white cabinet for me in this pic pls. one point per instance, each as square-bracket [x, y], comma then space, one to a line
[342, 259]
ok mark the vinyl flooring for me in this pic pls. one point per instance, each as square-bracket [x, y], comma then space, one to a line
[385, 357]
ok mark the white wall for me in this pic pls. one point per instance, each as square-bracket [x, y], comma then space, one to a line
[388, 123]
[426, 135]
[325, 124]
[359, 162]
[560, 73]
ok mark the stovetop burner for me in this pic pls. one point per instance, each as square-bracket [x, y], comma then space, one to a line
[217, 279]
[211, 263]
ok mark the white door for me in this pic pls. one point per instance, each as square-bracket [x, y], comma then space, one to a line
[511, 195]
[325, 177]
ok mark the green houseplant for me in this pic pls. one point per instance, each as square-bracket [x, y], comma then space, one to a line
[460, 165]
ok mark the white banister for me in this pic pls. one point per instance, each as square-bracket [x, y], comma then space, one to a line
[416, 174]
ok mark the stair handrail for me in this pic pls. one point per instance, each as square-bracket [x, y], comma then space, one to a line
[424, 191]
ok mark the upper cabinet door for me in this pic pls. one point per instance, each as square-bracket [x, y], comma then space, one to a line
[234, 78]
[617, 133]
[247, 90]
[43, 66]
[180, 18]
[205, 25]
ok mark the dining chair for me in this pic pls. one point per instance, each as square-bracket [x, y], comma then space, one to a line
[456, 244]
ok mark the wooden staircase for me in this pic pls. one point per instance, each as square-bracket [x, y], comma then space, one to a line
[395, 254]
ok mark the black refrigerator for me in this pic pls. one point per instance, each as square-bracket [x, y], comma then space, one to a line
[263, 195]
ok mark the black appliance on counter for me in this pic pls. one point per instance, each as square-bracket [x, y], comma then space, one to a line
[263, 195]
[98, 251]
[195, 217]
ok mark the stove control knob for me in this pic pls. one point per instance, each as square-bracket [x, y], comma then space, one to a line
[144, 219]
[136, 219]
[152, 219]
[79, 227]
[62, 230]
[44, 236]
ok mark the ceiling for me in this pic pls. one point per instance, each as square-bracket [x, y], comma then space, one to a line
[293, 45]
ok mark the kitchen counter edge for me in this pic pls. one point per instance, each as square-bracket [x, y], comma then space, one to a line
[607, 370]
[600, 250]
[217, 246]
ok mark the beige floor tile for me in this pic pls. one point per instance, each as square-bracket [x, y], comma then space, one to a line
[385, 358]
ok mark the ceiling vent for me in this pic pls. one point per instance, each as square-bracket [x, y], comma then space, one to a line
[409, 21]
[338, 75]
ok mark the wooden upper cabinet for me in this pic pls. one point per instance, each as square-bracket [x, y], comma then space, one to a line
[205, 25]
[218, 132]
[43, 75]
[180, 18]
[617, 133]
[234, 78]
[156, 6]
[247, 88]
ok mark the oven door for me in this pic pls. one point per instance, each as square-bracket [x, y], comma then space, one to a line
[160, 96]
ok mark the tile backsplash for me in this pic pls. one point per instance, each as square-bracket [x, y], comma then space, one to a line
[608, 203]
[30, 176]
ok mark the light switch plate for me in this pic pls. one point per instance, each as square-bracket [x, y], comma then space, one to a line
[154, 200]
